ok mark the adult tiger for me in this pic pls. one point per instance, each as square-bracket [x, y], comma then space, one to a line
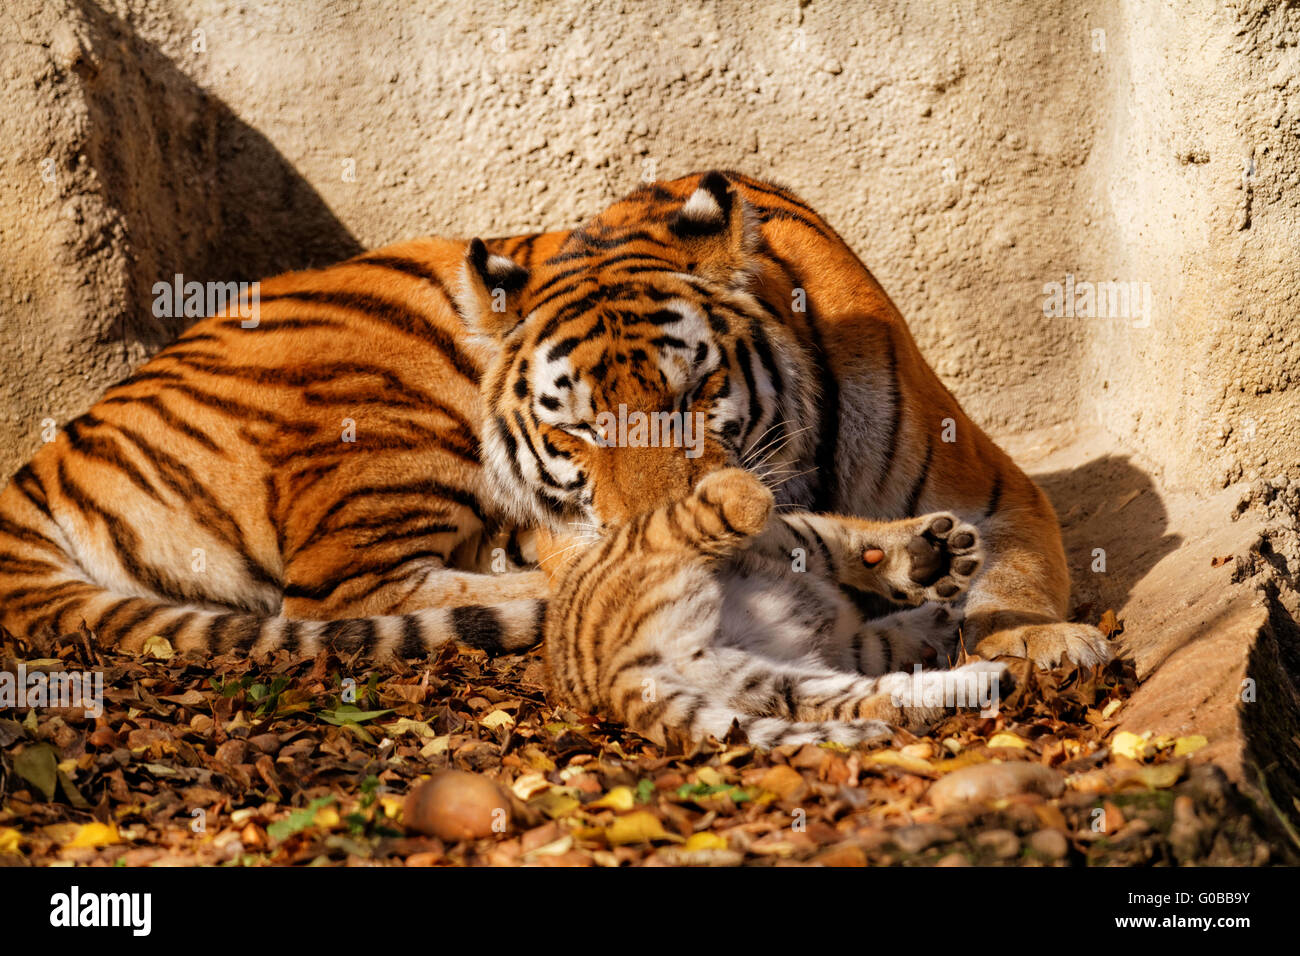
[339, 471]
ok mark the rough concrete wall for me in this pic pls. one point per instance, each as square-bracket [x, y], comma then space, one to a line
[970, 155]
[1195, 172]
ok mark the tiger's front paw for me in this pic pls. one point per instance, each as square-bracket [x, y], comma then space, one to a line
[1048, 645]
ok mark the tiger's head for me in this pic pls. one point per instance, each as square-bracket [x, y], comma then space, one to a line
[642, 355]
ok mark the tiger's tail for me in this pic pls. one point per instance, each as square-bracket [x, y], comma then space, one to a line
[44, 592]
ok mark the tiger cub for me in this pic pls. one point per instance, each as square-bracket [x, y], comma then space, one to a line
[693, 616]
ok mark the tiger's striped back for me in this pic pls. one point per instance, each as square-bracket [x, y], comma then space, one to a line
[309, 474]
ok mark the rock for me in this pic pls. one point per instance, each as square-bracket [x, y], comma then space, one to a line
[1186, 833]
[994, 781]
[844, 854]
[103, 738]
[1003, 844]
[915, 839]
[265, 743]
[1049, 844]
[232, 752]
[455, 805]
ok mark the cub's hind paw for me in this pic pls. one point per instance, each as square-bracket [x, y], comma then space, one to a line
[945, 555]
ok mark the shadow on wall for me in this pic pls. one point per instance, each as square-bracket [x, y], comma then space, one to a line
[1112, 505]
[197, 191]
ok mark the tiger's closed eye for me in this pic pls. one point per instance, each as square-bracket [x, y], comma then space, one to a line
[584, 431]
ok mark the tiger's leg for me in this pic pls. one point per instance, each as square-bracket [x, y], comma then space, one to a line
[816, 695]
[931, 559]
[661, 703]
[384, 548]
[1018, 606]
[927, 635]
[913, 699]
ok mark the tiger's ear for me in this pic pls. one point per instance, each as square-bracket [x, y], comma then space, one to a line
[719, 229]
[488, 298]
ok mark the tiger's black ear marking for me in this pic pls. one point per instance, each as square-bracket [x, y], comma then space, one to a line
[718, 231]
[489, 290]
[497, 272]
[707, 211]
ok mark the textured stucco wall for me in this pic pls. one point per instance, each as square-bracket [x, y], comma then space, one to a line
[970, 152]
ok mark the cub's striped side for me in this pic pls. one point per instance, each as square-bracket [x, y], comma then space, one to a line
[693, 617]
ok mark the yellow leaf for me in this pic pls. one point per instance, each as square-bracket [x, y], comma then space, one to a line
[1006, 739]
[538, 759]
[404, 724]
[710, 777]
[1184, 746]
[158, 647]
[94, 835]
[1129, 745]
[327, 818]
[621, 799]
[704, 841]
[9, 840]
[892, 758]
[967, 759]
[498, 718]
[639, 827]
[1159, 777]
[555, 803]
[1110, 709]
[391, 805]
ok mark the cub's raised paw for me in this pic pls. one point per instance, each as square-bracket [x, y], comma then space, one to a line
[741, 498]
[1048, 645]
[944, 556]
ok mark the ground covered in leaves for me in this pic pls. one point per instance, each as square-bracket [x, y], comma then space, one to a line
[308, 761]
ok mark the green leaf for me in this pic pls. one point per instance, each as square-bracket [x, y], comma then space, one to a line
[645, 789]
[72, 793]
[689, 791]
[349, 714]
[298, 820]
[38, 764]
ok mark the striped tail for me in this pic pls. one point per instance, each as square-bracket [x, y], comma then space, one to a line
[58, 607]
[44, 592]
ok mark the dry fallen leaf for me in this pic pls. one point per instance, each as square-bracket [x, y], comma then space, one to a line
[641, 826]
[94, 834]
[158, 647]
[498, 718]
[620, 798]
[1126, 744]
